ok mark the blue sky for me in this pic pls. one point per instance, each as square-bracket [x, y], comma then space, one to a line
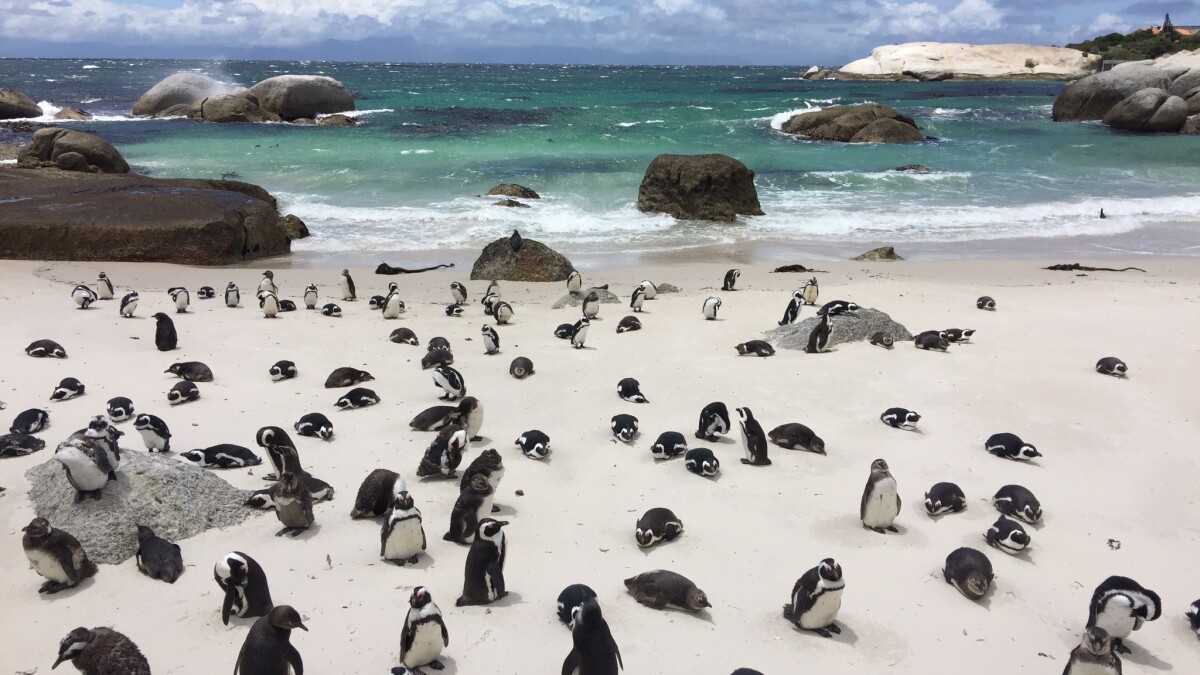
[791, 32]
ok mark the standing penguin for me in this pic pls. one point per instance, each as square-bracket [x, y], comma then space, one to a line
[503, 313]
[182, 299]
[233, 297]
[101, 651]
[591, 305]
[393, 306]
[293, 504]
[90, 458]
[714, 421]
[593, 650]
[244, 583]
[1094, 654]
[158, 558]
[754, 438]
[268, 283]
[104, 287]
[711, 305]
[483, 577]
[818, 339]
[1120, 606]
[55, 555]
[268, 302]
[491, 341]
[347, 283]
[639, 296]
[451, 382]
[579, 332]
[83, 296]
[474, 504]
[792, 312]
[268, 648]
[731, 278]
[310, 297]
[810, 292]
[880, 500]
[574, 282]
[444, 454]
[515, 242]
[817, 598]
[424, 634]
[129, 304]
[165, 337]
[650, 288]
[155, 433]
[402, 537]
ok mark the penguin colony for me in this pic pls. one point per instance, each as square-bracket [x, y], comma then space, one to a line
[91, 458]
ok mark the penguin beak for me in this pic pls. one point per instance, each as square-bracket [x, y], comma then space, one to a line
[60, 659]
[299, 625]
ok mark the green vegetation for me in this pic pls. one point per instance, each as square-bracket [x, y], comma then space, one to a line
[1140, 44]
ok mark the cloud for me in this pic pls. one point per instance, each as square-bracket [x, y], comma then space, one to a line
[1109, 23]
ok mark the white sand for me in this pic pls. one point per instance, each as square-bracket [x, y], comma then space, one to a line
[1119, 463]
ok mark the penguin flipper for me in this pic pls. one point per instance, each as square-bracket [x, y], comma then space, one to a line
[227, 605]
[293, 657]
[445, 635]
[65, 560]
[571, 663]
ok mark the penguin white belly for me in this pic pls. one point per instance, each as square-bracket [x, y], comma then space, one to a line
[1117, 617]
[474, 423]
[427, 645]
[824, 611]
[882, 505]
[1090, 669]
[84, 472]
[405, 540]
[345, 289]
[494, 478]
[47, 566]
[491, 587]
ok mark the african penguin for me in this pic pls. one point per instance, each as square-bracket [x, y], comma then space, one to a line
[754, 439]
[90, 458]
[55, 555]
[358, 397]
[206, 293]
[436, 357]
[194, 371]
[483, 575]
[19, 445]
[1111, 365]
[282, 370]
[818, 338]
[755, 347]
[569, 599]
[101, 650]
[1120, 606]
[1007, 535]
[969, 571]
[316, 425]
[489, 303]
[931, 340]
[223, 456]
[42, 349]
[347, 284]
[268, 283]
[792, 312]
[458, 292]
[268, 648]
[503, 313]
[402, 537]
[650, 288]
[158, 558]
[424, 634]
[1193, 617]
[702, 462]
[817, 598]
[183, 392]
[1019, 502]
[730, 280]
[268, 302]
[591, 305]
[331, 309]
[182, 300]
[154, 431]
[393, 306]
[244, 583]
[593, 649]
[535, 444]
[474, 504]
[491, 341]
[165, 337]
[1010, 446]
[714, 422]
[627, 324]
[233, 297]
[630, 390]
[347, 376]
[68, 388]
[669, 444]
[574, 282]
[711, 305]
[900, 418]
[638, 298]
[1094, 654]
[293, 504]
[661, 589]
[959, 334]
[515, 241]
[520, 368]
[882, 339]
[444, 454]
[810, 291]
[104, 287]
[797, 436]
[404, 336]
[129, 304]
[986, 302]
[311, 298]
[837, 308]
[657, 525]
[454, 310]
[83, 296]
[944, 498]
[451, 382]
[579, 332]
[624, 427]
[881, 500]
[376, 492]
[438, 344]
[488, 464]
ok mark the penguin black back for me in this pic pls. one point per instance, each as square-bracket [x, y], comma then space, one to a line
[165, 337]
[268, 648]
[594, 651]
[101, 651]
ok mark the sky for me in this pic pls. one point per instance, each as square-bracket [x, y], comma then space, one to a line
[706, 32]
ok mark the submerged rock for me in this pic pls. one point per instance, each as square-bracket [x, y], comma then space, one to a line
[513, 190]
[533, 262]
[881, 253]
[699, 187]
[856, 327]
[72, 113]
[511, 203]
[870, 123]
[337, 120]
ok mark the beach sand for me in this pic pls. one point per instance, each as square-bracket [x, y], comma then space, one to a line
[1119, 464]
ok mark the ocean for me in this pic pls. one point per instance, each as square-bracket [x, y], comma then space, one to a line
[407, 181]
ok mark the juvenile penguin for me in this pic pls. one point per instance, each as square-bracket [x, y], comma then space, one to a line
[347, 377]
[593, 649]
[282, 370]
[444, 454]
[293, 504]
[1018, 502]
[1111, 365]
[206, 293]
[753, 438]
[181, 297]
[488, 464]
[503, 313]
[268, 302]
[637, 299]
[571, 598]
[669, 444]
[331, 309]
[311, 297]
[792, 312]
[931, 341]
[268, 648]
[944, 498]
[520, 368]
[424, 634]
[129, 304]
[591, 305]
[624, 427]
[474, 504]
[837, 308]
[101, 651]
[986, 302]
[818, 339]
[817, 598]
[194, 371]
[731, 278]
[810, 291]
[165, 337]
[402, 537]
[1094, 654]
[970, 571]
[55, 555]
[154, 431]
[959, 334]
[104, 287]
[19, 445]
[376, 492]
[630, 390]
[43, 349]
[796, 436]
[711, 305]
[491, 341]
[404, 336]
[183, 392]
[158, 558]
[436, 357]
[628, 324]
[451, 382]
[574, 282]
[657, 525]
[579, 332]
[1007, 535]
[90, 458]
[882, 339]
[663, 588]
[650, 288]
[268, 283]
[233, 296]
[755, 347]
[67, 389]
[83, 296]
[347, 283]
[900, 418]
[316, 425]
[242, 579]
[1120, 606]
[515, 241]
[702, 462]
[714, 422]
[483, 576]
[469, 416]
[535, 444]
[1010, 446]
[223, 456]
[880, 500]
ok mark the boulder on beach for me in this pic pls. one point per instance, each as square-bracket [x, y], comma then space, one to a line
[606, 296]
[1192, 98]
[302, 96]
[176, 499]
[855, 327]
[513, 190]
[178, 89]
[72, 113]
[49, 144]
[295, 228]
[1151, 110]
[870, 123]
[533, 262]
[699, 187]
[14, 104]
[881, 253]
[932, 61]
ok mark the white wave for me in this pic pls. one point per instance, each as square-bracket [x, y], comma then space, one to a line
[88, 100]
[8, 161]
[49, 110]
[701, 107]
[420, 151]
[90, 67]
[848, 177]
[360, 113]
[634, 124]
[778, 120]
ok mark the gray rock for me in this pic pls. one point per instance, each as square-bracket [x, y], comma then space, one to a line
[888, 131]
[337, 121]
[1092, 97]
[666, 288]
[856, 327]
[179, 110]
[50, 142]
[175, 498]
[302, 96]
[845, 124]
[295, 228]
[1148, 110]
[72, 161]
[512, 203]
[14, 104]
[513, 190]
[913, 168]
[1192, 128]
[881, 253]
[1192, 98]
[534, 262]
[576, 299]
[1185, 82]
[232, 108]
[71, 113]
[699, 187]
[178, 89]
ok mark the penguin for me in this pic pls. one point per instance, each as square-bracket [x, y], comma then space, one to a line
[311, 297]
[67, 388]
[880, 500]
[282, 370]
[287, 306]
[483, 575]
[316, 425]
[571, 598]
[818, 339]
[1120, 606]
[347, 283]
[434, 418]
[503, 313]
[424, 634]
[155, 433]
[439, 344]
[624, 427]
[30, 421]
[837, 308]
[754, 439]
[702, 462]
[1094, 653]
[650, 288]
[1111, 365]
[268, 283]
[223, 456]
[473, 505]
[1193, 617]
[158, 558]
[268, 648]
[104, 287]
[969, 571]
[183, 392]
[376, 302]
[193, 371]
[731, 278]
[882, 339]
[359, 397]
[444, 454]
[331, 309]
[469, 416]
[393, 306]
[488, 464]
[1102, 216]
[493, 288]
[55, 555]
[206, 293]
[83, 296]
[593, 649]
[1010, 446]
[564, 331]
[404, 336]
[792, 312]
[244, 583]
[46, 349]
[639, 297]
[630, 390]
[657, 525]
[347, 376]
[535, 444]
[458, 292]
[436, 357]
[574, 282]
[90, 458]
[796, 436]
[515, 241]
[1017, 501]
[817, 598]
[711, 305]
[931, 341]
[714, 422]
[1007, 535]
[129, 304]
[661, 589]
[293, 504]
[491, 341]
[100, 651]
[810, 291]
[165, 338]
[179, 294]
[627, 324]
[451, 382]
[376, 493]
[944, 498]
[268, 302]
[454, 311]
[959, 334]
[233, 297]
[755, 347]
[900, 418]
[520, 368]
[402, 537]
[670, 444]
[489, 303]
[19, 445]
[986, 303]
[579, 332]
[591, 305]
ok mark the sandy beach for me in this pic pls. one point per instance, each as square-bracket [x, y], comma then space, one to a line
[1119, 464]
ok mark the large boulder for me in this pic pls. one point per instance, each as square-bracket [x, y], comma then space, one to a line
[175, 498]
[1192, 128]
[302, 96]
[881, 253]
[1192, 98]
[845, 124]
[699, 187]
[856, 327]
[49, 143]
[1092, 97]
[295, 228]
[533, 262]
[58, 215]
[231, 108]
[1148, 110]
[73, 113]
[513, 190]
[178, 89]
[337, 120]
[14, 104]
[930, 61]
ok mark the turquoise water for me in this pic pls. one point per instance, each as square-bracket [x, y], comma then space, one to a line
[433, 137]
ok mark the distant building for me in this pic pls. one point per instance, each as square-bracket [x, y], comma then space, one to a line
[1167, 26]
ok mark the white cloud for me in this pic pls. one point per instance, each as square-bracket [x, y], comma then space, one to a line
[1109, 23]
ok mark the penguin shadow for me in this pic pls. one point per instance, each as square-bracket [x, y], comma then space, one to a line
[508, 600]
[67, 593]
[847, 637]
[449, 667]
[424, 562]
[1142, 657]
[481, 441]
[503, 510]
[308, 533]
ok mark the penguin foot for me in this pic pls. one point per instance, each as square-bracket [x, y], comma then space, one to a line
[97, 495]
[892, 528]
[79, 497]
[112, 476]
[52, 587]
[1119, 647]
[476, 439]
[833, 628]
[495, 509]
[436, 665]
[787, 611]
[880, 530]
[271, 476]
[412, 560]
[823, 632]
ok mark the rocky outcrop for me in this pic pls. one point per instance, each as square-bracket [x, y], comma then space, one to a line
[55, 215]
[302, 96]
[72, 113]
[942, 60]
[913, 168]
[14, 105]
[881, 253]
[512, 203]
[240, 106]
[72, 151]
[699, 187]
[1192, 98]
[533, 262]
[338, 120]
[1152, 110]
[175, 498]
[178, 89]
[1192, 128]
[871, 123]
[856, 327]
[295, 228]
[1093, 97]
[513, 190]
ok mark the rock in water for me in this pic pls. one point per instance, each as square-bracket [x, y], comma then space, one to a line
[855, 327]
[338, 120]
[881, 253]
[513, 190]
[1092, 97]
[14, 104]
[1148, 109]
[302, 96]
[295, 228]
[855, 124]
[511, 202]
[239, 106]
[699, 187]
[48, 144]
[180, 89]
[534, 262]
[177, 499]
[926, 61]
[72, 113]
